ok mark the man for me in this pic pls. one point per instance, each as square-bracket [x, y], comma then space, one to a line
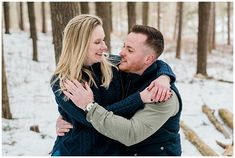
[153, 130]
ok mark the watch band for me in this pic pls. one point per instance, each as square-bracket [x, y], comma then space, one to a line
[89, 107]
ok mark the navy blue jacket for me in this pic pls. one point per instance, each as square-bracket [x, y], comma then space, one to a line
[83, 139]
[166, 141]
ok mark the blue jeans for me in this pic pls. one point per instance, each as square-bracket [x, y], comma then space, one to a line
[56, 153]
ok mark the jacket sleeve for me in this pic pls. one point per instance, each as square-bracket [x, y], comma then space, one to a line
[164, 69]
[69, 107]
[128, 106]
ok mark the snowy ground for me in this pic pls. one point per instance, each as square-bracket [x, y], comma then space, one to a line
[32, 102]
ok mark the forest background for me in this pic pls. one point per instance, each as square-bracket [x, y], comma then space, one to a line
[198, 47]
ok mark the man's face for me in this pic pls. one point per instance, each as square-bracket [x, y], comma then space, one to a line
[133, 53]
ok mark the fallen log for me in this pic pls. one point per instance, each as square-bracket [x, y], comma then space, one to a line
[227, 117]
[210, 114]
[203, 148]
[228, 148]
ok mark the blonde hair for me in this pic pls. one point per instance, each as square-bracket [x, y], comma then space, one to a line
[75, 45]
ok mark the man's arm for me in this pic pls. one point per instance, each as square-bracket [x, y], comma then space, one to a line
[143, 124]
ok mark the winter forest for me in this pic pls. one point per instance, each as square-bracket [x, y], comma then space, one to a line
[198, 47]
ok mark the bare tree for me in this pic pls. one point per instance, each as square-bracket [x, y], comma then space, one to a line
[158, 15]
[84, 7]
[228, 24]
[21, 16]
[214, 25]
[44, 27]
[176, 20]
[203, 35]
[61, 13]
[145, 6]
[103, 11]
[6, 112]
[178, 47]
[6, 8]
[131, 14]
[33, 29]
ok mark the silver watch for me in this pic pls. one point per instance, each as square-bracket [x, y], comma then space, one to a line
[89, 107]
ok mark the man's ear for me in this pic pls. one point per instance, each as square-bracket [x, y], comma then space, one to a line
[150, 59]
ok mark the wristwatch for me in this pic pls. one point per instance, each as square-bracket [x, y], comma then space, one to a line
[89, 107]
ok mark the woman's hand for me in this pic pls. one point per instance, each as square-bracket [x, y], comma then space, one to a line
[160, 89]
[79, 94]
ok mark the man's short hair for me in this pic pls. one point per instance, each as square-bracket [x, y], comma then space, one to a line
[154, 39]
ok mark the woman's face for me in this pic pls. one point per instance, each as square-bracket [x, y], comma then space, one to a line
[96, 47]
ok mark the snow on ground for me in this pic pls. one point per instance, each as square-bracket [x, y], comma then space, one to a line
[32, 102]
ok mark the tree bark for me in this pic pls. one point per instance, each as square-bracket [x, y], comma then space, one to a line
[228, 24]
[6, 8]
[227, 117]
[44, 27]
[158, 15]
[103, 11]
[203, 148]
[6, 112]
[178, 47]
[33, 29]
[21, 17]
[210, 114]
[61, 14]
[84, 7]
[202, 42]
[145, 9]
[131, 14]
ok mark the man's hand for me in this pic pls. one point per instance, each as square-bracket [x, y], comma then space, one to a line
[160, 88]
[79, 94]
[62, 126]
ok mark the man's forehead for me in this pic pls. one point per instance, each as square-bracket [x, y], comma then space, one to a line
[135, 38]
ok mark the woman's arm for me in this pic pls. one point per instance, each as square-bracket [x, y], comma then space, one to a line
[68, 106]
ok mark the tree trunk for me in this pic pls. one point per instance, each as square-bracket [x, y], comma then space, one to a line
[178, 47]
[61, 14]
[203, 148]
[131, 14]
[214, 26]
[6, 112]
[145, 9]
[6, 17]
[33, 29]
[84, 7]
[210, 114]
[227, 117]
[111, 19]
[44, 26]
[228, 25]
[103, 11]
[21, 17]
[158, 15]
[210, 30]
[176, 20]
[202, 44]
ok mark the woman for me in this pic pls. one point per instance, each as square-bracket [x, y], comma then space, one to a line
[82, 59]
